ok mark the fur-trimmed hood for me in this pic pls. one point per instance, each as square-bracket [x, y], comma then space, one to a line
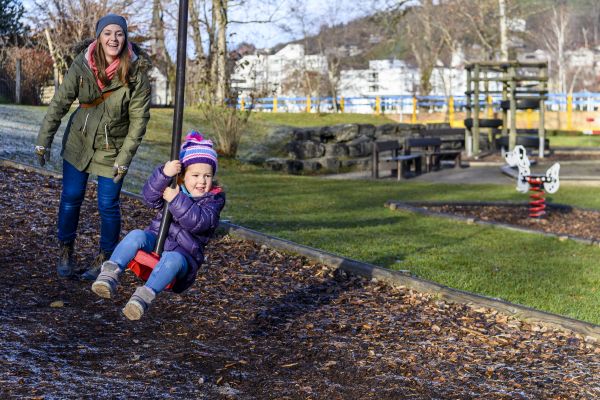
[144, 62]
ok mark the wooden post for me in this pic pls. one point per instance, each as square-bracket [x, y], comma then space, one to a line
[342, 104]
[475, 130]
[504, 98]
[512, 137]
[468, 132]
[414, 111]
[542, 111]
[451, 111]
[18, 82]
[377, 105]
[570, 112]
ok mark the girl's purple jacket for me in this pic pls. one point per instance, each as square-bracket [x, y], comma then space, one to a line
[194, 221]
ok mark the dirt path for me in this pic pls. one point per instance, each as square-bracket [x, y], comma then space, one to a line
[256, 325]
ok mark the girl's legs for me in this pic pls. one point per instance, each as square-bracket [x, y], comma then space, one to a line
[171, 265]
[73, 192]
[129, 246]
[106, 283]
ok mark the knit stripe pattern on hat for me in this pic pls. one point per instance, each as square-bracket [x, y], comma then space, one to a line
[197, 149]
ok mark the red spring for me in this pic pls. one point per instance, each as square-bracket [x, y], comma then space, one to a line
[537, 204]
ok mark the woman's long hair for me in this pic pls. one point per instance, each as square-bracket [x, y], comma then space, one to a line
[101, 64]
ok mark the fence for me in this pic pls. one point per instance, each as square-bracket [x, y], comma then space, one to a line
[576, 111]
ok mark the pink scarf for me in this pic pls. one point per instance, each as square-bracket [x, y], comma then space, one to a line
[111, 70]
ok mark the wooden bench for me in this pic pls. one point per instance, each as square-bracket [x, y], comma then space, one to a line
[430, 148]
[388, 146]
[404, 162]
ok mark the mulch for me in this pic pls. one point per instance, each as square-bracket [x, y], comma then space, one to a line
[562, 221]
[258, 324]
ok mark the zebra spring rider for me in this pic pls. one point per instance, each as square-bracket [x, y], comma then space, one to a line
[536, 183]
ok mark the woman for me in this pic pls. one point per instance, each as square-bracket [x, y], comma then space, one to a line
[109, 77]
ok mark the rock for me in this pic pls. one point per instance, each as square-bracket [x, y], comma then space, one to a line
[367, 130]
[276, 164]
[302, 150]
[326, 134]
[360, 147]
[302, 134]
[388, 130]
[345, 132]
[311, 165]
[294, 166]
[329, 163]
[336, 150]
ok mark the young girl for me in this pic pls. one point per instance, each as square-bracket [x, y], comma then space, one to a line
[195, 205]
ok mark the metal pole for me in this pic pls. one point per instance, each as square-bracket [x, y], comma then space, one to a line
[177, 115]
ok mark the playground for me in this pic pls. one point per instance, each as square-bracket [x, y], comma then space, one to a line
[258, 324]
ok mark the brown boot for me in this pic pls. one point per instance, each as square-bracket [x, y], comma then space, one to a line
[66, 266]
[94, 270]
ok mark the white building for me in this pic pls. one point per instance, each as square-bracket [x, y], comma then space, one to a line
[263, 75]
[160, 90]
[395, 77]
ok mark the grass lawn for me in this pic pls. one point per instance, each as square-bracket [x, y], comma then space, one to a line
[575, 141]
[348, 218]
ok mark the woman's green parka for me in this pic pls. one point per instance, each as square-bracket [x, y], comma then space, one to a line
[99, 137]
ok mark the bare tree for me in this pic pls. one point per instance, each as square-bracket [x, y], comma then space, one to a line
[557, 32]
[71, 21]
[423, 27]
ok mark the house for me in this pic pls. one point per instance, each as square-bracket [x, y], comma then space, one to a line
[264, 74]
[160, 90]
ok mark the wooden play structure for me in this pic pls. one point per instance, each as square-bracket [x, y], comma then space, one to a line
[520, 86]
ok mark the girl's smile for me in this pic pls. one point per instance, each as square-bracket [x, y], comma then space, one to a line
[198, 179]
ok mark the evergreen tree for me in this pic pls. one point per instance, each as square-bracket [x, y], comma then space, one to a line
[11, 27]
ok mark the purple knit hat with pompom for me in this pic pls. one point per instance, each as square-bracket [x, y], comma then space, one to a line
[197, 149]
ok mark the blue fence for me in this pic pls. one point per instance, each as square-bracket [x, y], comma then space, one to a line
[404, 104]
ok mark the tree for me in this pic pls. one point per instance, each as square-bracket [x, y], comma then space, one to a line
[11, 27]
[423, 26]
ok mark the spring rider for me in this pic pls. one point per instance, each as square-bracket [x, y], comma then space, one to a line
[536, 183]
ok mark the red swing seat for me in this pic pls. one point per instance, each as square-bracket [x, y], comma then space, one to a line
[143, 263]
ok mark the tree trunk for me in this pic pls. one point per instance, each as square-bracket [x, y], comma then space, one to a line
[222, 79]
[158, 48]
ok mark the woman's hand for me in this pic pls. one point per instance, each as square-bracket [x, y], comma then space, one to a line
[172, 168]
[170, 193]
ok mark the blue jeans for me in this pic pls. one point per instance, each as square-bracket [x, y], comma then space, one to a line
[73, 193]
[172, 265]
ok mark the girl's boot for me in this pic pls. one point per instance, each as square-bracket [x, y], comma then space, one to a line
[66, 266]
[106, 283]
[139, 303]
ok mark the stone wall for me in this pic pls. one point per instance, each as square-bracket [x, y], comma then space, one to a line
[339, 147]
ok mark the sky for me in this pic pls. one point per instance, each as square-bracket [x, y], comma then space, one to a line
[289, 19]
[288, 15]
